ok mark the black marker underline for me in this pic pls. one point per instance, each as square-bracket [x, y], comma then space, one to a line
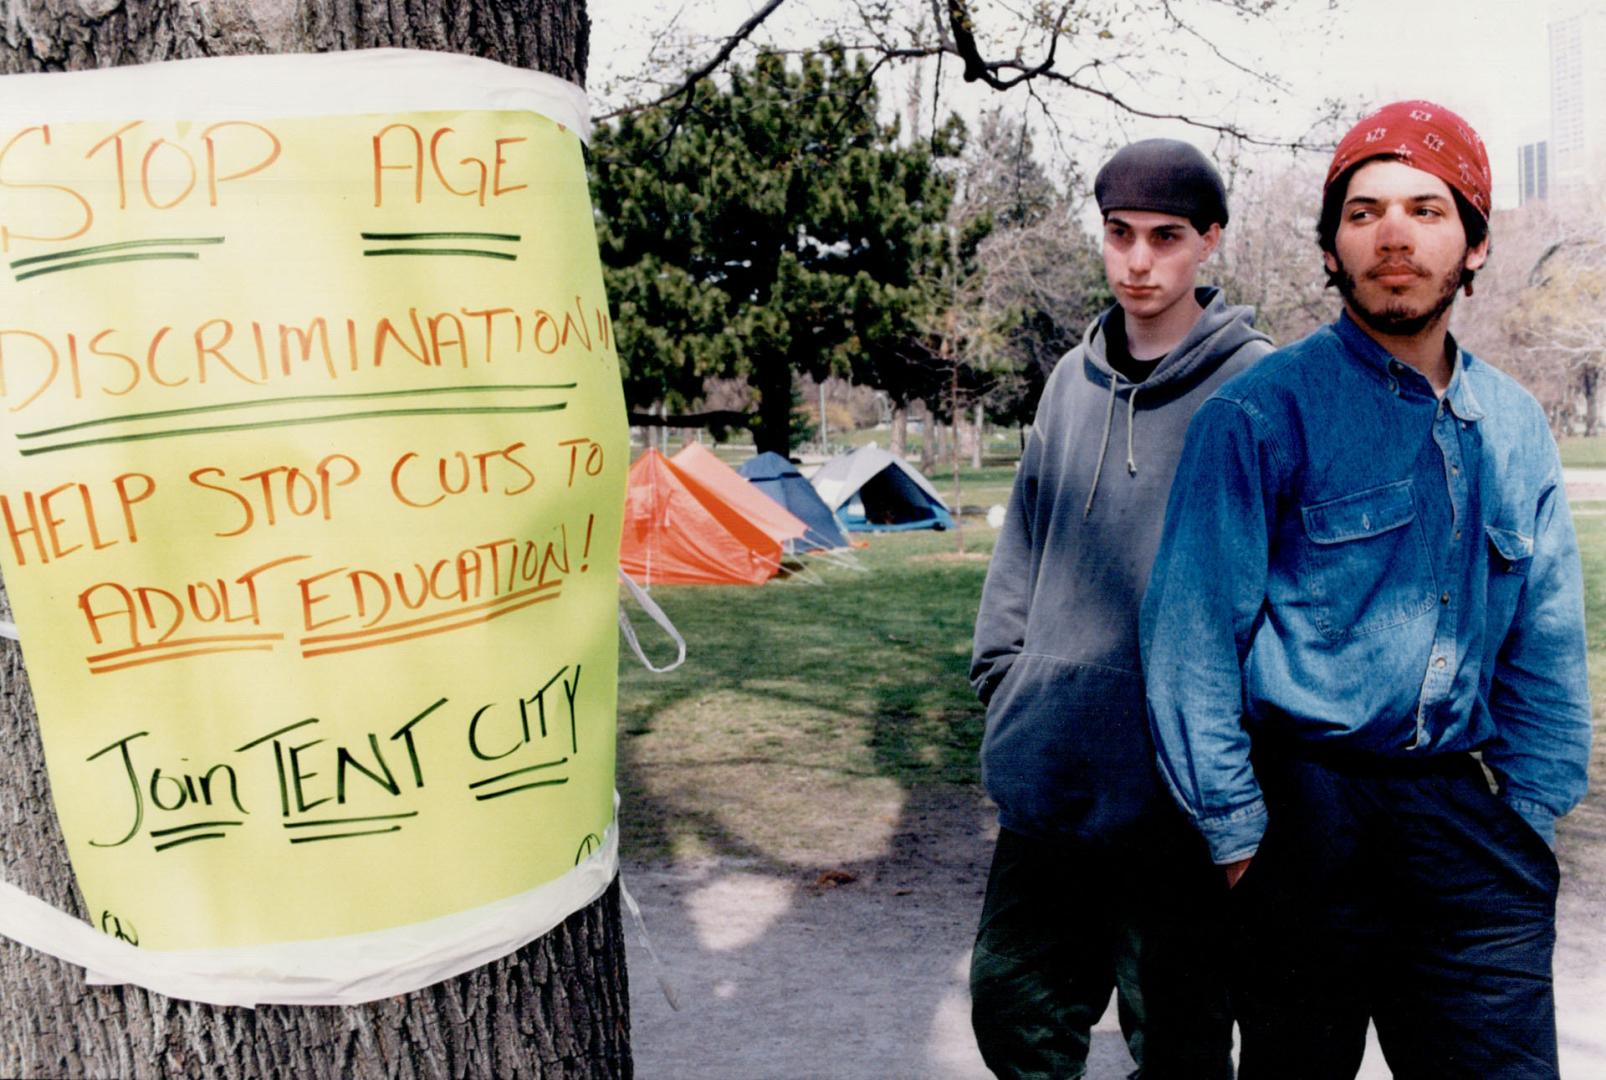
[440, 236]
[440, 251]
[108, 259]
[301, 399]
[517, 772]
[521, 787]
[191, 828]
[343, 835]
[121, 246]
[219, 429]
[191, 840]
[348, 820]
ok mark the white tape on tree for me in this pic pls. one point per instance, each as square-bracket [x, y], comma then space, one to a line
[335, 971]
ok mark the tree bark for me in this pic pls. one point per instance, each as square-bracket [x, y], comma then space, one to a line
[976, 443]
[930, 441]
[1589, 382]
[556, 1008]
[772, 431]
[900, 430]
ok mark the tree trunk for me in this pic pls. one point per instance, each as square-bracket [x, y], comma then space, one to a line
[900, 430]
[930, 434]
[1589, 382]
[957, 415]
[976, 444]
[772, 432]
[559, 1006]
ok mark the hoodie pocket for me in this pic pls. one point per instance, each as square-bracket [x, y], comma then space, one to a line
[1365, 561]
[1068, 752]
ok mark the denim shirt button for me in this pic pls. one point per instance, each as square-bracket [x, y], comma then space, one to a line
[1444, 598]
[1439, 662]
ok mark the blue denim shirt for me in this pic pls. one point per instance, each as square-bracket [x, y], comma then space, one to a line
[1350, 561]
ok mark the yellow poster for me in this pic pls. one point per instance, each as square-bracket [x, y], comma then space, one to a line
[314, 452]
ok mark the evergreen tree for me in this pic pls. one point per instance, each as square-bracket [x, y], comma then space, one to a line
[766, 229]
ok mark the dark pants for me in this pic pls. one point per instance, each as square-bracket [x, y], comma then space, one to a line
[1063, 925]
[1407, 895]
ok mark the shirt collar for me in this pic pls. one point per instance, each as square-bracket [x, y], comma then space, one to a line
[1463, 402]
[1397, 374]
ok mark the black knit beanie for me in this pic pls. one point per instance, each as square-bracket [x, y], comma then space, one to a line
[1167, 176]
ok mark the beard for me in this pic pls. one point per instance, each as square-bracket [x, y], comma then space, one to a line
[1395, 319]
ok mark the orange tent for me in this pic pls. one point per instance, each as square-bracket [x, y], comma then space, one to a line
[678, 530]
[705, 467]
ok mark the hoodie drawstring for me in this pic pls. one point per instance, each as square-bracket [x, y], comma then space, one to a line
[1131, 411]
[1104, 448]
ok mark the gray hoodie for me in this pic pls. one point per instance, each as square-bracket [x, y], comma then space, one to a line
[1067, 752]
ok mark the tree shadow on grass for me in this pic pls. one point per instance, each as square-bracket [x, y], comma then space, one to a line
[861, 678]
[823, 741]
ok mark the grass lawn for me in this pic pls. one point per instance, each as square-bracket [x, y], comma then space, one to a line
[1582, 834]
[1578, 452]
[805, 713]
[1592, 548]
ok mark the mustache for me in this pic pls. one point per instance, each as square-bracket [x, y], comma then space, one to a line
[1396, 266]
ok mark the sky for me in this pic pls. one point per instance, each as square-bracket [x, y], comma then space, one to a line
[1485, 59]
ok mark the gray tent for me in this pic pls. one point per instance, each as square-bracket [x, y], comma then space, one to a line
[870, 490]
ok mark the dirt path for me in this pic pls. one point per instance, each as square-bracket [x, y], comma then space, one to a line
[786, 978]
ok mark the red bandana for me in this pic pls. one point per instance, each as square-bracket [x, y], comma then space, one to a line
[1424, 136]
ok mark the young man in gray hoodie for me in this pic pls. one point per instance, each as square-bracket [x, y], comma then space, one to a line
[1097, 882]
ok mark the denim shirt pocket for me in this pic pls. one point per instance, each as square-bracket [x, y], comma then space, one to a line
[1511, 552]
[1366, 561]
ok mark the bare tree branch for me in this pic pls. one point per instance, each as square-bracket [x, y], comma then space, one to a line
[987, 71]
[957, 37]
[707, 68]
[950, 28]
[1189, 29]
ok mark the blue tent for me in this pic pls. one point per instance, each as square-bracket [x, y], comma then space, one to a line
[779, 479]
[870, 490]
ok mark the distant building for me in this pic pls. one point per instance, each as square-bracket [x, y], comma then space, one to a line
[1578, 97]
[1533, 172]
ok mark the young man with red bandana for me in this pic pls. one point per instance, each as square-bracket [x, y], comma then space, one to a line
[1367, 603]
